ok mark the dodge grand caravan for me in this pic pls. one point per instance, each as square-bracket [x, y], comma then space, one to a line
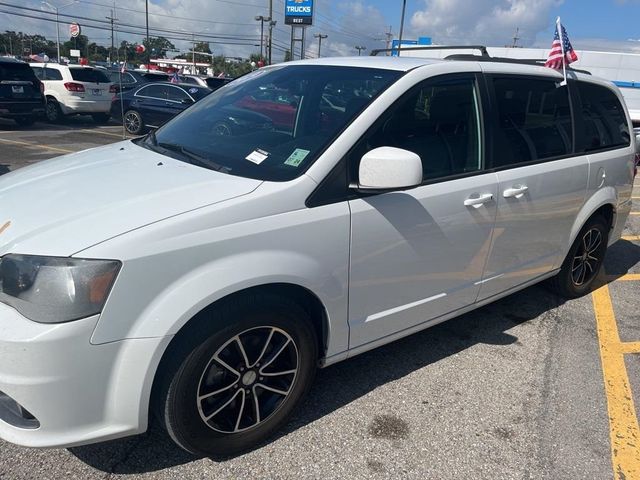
[201, 277]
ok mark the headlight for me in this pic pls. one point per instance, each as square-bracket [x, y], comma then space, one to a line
[55, 290]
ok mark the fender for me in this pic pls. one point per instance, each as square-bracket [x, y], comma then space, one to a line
[604, 196]
[187, 295]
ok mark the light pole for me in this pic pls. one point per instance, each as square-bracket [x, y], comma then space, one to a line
[404, 6]
[359, 49]
[319, 36]
[272, 24]
[44, 2]
[262, 19]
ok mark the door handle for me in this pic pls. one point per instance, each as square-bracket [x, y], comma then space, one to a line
[515, 192]
[477, 202]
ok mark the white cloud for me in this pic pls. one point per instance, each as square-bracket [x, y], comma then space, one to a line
[490, 22]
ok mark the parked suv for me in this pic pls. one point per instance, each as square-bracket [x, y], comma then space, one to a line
[75, 89]
[21, 93]
[202, 277]
[130, 79]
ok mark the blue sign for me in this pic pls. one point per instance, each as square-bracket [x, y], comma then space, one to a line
[298, 12]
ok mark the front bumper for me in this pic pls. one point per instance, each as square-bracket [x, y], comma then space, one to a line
[79, 393]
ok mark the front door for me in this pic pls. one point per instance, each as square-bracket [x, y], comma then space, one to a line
[419, 254]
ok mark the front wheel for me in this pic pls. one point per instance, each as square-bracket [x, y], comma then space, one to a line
[584, 260]
[233, 390]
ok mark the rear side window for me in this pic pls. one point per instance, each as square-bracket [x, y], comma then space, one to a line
[52, 74]
[604, 123]
[16, 71]
[534, 121]
[88, 75]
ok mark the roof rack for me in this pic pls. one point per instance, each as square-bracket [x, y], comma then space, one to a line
[482, 48]
[520, 61]
[483, 57]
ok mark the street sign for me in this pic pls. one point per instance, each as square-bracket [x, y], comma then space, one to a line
[74, 53]
[298, 12]
[74, 30]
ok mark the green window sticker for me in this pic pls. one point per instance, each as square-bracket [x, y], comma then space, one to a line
[296, 157]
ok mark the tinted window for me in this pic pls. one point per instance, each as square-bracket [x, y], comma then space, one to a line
[52, 74]
[16, 71]
[190, 80]
[154, 91]
[604, 123]
[155, 77]
[176, 94]
[39, 72]
[88, 75]
[534, 120]
[275, 138]
[125, 78]
[438, 121]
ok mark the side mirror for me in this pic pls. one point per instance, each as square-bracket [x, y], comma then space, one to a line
[388, 168]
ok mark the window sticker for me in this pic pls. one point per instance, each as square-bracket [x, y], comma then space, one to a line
[257, 156]
[296, 158]
[193, 90]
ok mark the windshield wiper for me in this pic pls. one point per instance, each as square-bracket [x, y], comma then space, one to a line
[192, 157]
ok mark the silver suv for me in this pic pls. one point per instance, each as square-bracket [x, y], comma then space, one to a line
[203, 274]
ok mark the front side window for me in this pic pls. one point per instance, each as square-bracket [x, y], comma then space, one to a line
[438, 121]
[176, 94]
[534, 120]
[273, 123]
[604, 123]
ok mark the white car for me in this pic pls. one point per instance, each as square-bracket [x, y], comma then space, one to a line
[202, 277]
[75, 89]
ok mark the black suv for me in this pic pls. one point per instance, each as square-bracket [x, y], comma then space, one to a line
[21, 93]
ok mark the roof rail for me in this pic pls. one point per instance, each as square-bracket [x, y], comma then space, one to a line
[521, 61]
[482, 48]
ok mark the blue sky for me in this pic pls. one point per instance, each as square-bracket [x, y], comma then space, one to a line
[592, 24]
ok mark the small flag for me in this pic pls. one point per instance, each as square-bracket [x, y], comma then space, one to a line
[561, 53]
[221, 75]
[123, 68]
[175, 78]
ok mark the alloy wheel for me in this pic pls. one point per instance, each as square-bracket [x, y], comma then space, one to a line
[247, 379]
[132, 122]
[586, 259]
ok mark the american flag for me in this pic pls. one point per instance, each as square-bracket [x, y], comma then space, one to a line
[175, 78]
[555, 55]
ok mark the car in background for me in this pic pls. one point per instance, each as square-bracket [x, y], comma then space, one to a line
[75, 90]
[193, 80]
[153, 104]
[131, 79]
[215, 83]
[21, 93]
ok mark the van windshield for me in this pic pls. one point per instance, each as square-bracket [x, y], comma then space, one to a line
[271, 124]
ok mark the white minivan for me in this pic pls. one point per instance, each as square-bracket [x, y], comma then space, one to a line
[202, 277]
[75, 89]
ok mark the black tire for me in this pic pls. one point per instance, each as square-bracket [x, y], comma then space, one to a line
[52, 111]
[195, 384]
[133, 122]
[101, 118]
[25, 121]
[584, 260]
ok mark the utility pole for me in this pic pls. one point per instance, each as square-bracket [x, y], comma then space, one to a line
[271, 24]
[404, 7]
[319, 36]
[193, 53]
[389, 36]
[148, 44]
[112, 19]
[359, 49]
[515, 38]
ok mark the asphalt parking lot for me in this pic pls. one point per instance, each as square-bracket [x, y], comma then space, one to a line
[530, 387]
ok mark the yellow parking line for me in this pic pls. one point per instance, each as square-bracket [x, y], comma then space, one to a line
[623, 423]
[630, 347]
[37, 145]
[629, 277]
[101, 132]
[634, 213]
[631, 238]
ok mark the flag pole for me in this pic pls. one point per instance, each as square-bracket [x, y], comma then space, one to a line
[564, 68]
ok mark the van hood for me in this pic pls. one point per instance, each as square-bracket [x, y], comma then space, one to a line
[64, 205]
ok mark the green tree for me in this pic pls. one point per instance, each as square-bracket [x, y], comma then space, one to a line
[158, 46]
